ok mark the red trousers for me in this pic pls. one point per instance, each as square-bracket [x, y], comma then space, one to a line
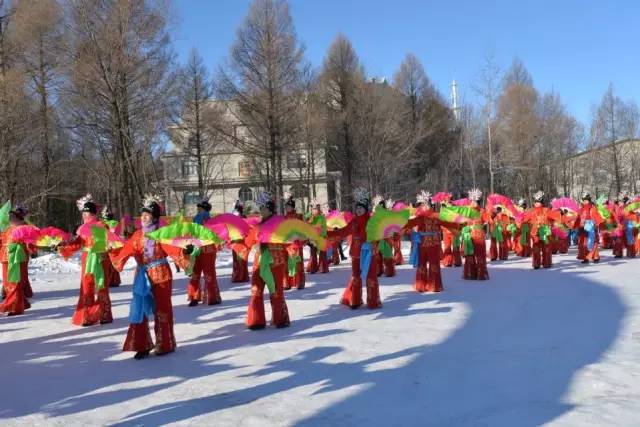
[139, 336]
[240, 271]
[520, 249]
[563, 245]
[114, 275]
[296, 281]
[205, 265]
[451, 256]
[335, 255]
[499, 250]
[620, 244]
[583, 251]
[397, 250]
[15, 301]
[428, 277]
[541, 254]
[279, 312]
[475, 266]
[92, 309]
[352, 295]
[317, 263]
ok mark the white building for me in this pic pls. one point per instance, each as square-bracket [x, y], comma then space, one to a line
[230, 175]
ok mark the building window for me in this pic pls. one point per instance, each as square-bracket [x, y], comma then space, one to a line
[296, 160]
[244, 169]
[299, 191]
[189, 169]
[191, 198]
[245, 194]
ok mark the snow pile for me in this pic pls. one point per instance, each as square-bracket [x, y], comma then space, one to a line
[53, 263]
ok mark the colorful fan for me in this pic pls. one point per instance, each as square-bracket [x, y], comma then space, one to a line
[560, 231]
[228, 226]
[601, 205]
[183, 234]
[384, 223]
[51, 236]
[100, 239]
[458, 214]
[4, 215]
[461, 202]
[441, 196]
[498, 200]
[634, 206]
[279, 229]
[337, 219]
[565, 203]
[399, 205]
[28, 234]
[253, 220]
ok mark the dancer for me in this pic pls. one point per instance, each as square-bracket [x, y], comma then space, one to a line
[94, 275]
[152, 285]
[108, 219]
[473, 240]
[205, 265]
[427, 244]
[318, 259]
[587, 223]
[15, 273]
[269, 268]
[362, 253]
[295, 267]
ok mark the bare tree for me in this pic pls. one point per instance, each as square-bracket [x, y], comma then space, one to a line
[342, 78]
[121, 91]
[262, 79]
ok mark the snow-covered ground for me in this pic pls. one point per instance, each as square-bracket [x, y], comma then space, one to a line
[558, 346]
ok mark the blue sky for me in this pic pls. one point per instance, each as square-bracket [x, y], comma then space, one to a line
[575, 47]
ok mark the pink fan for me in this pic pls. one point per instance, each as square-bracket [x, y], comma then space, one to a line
[507, 205]
[228, 226]
[50, 236]
[398, 206]
[28, 234]
[559, 232]
[461, 202]
[565, 203]
[440, 197]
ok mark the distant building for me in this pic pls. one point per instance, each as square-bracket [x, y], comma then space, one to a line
[594, 170]
[231, 175]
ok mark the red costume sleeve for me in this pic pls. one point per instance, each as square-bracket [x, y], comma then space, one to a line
[413, 222]
[177, 255]
[340, 233]
[120, 256]
[69, 248]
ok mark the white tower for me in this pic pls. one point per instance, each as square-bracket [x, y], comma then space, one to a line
[454, 100]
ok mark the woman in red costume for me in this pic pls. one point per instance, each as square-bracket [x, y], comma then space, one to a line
[522, 236]
[362, 252]
[427, 245]
[498, 225]
[94, 276]
[540, 219]
[269, 269]
[473, 240]
[15, 273]
[626, 231]
[240, 251]
[295, 265]
[114, 276]
[451, 255]
[587, 223]
[152, 286]
[205, 265]
[318, 259]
